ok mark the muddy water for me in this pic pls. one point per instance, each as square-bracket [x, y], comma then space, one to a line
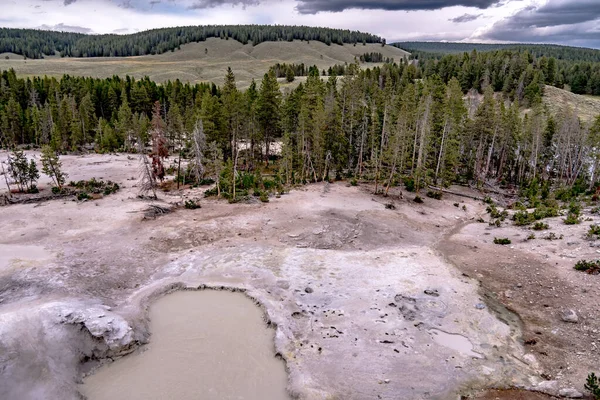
[455, 342]
[205, 345]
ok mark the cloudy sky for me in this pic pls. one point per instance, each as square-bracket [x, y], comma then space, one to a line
[571, 22]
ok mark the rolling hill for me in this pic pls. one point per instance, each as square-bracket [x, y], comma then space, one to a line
[439, 49]
[201, 62]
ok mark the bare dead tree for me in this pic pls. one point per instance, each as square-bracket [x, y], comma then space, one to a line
[199, 144]
[147, 180]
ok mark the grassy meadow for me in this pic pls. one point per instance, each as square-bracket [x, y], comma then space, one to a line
[201, 62]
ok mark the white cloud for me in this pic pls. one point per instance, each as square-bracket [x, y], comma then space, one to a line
[126, 16]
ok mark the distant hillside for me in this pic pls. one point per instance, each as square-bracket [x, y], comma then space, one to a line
[439, 49]
[203, 62]
[35, 44]
[557, 101]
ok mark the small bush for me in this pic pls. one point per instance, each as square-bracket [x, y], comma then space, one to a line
[488, 200]
[530, 237]
[540, 226]
[496, 223]
[353, 182]
[552, 236]
[418, 199]
[83, 196]
[572, 219]
[264, 197]
[55, 190]
[409, 183]
[434, 195]
[33, 189]
[464, 207]
[592, 385]
[522, 218]
[502, 241]
[191, 205]
[495, 213]
[591, 267]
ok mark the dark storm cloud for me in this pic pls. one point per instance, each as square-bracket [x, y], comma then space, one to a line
[202, 4]
[315, 6]
[563, 21]
[67, 2]
[465, 18]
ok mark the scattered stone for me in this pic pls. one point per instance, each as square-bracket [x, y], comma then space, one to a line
[480, 306]
[308, 289]
[570, 393]
[519, 285]
[570, 316]
[386, 381]
[431, 292]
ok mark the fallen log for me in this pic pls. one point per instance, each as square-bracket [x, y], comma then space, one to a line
[455, 193]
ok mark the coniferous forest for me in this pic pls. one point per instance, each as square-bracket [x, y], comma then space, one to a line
[387, 124]
[33, 43]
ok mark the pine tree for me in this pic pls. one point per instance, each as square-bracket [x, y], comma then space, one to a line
[52, 166]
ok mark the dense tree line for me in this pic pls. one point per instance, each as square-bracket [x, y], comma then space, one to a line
[424, 50]
[381, 124]
[516, 73]
[35, 43]
[375, 57]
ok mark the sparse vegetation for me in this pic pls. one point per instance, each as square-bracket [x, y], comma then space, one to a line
[502, 241]
[552, 236]
[593, 232]
[191, 205]
[434, 195]
[540, 226]
[591, 267]
[592, 385]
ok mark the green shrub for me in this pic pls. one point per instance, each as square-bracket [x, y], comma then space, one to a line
[264, 197]
[591, 267]
[552, 236]
[593, 232]
[418, 199]
[592, 385]
[435, 195]
[488, 200]
[572, 219]
[545, 212]
[540, 226]
[353, 182]
[409, 183]
[530, 237]
[191, 205]
[33, 189]
[502, 241]
[55, 190]
[495, 213]
[83, 196]
[522, 218]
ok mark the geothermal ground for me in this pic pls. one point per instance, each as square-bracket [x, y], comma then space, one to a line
[367, 302]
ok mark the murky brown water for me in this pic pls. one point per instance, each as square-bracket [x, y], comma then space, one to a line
[205, 345]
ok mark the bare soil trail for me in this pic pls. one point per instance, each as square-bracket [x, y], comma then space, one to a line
[367, 302]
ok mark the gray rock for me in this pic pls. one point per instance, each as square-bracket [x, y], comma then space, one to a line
[547, 387]
[570, 316]
[308, 289]
[431, 292]
[570, 393]
[480, 306]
